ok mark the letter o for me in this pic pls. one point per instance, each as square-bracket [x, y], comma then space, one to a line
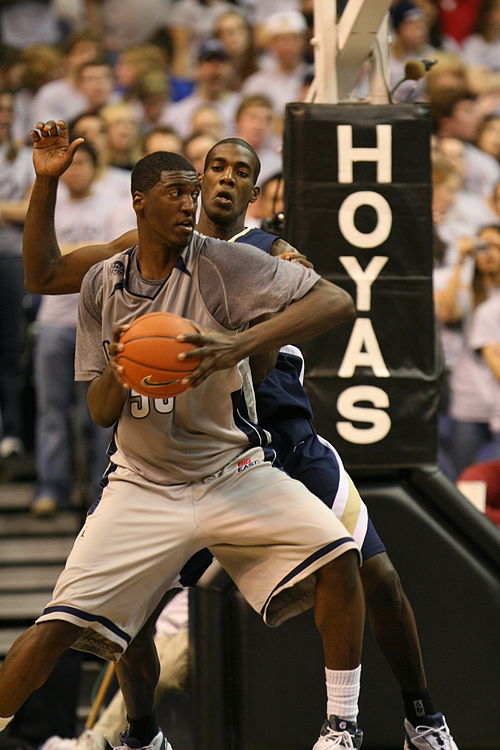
[384, 219]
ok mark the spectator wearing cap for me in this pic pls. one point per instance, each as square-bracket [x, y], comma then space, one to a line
[190, 24]
[260, 10]
[213, 75]
[284, 67]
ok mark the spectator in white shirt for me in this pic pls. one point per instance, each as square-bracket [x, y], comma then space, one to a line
[283, 68]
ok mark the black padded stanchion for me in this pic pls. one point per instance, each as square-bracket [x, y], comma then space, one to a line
[357, 188]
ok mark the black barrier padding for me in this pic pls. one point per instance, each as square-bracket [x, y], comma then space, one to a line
[315, 123]
[272, 695]
[312, 226]
[400, 312]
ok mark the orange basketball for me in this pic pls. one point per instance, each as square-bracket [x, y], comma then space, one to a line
[149, 356]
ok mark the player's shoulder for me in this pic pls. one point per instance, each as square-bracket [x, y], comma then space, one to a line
[226, 255]
[256, 237]
[110, 271]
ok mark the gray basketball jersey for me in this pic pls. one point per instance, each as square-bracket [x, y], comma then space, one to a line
[220, 285]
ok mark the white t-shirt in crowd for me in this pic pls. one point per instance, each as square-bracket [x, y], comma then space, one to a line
[57, 100]
[475, 395]
[476, 51]
[82, 222]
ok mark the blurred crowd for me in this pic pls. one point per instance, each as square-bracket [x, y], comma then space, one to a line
[179, 75]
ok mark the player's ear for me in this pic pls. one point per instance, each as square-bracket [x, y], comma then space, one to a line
[255, 194]
[137, 200]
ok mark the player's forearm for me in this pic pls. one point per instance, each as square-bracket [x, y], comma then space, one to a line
[324, 307]
[41, 252]
[105, 398]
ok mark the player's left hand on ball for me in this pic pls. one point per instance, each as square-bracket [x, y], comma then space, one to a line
[218, 351]
[114, 350]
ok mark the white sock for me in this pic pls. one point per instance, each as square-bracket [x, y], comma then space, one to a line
[342, 690]
[4, 722]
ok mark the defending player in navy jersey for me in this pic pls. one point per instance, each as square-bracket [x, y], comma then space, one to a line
[284, 410]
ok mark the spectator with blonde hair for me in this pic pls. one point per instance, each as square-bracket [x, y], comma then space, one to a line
[122, 134]
[161, 138]
[153, 98]
[207, 119]
[133, 64]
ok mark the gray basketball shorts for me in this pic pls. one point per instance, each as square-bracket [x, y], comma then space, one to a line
[268, 531]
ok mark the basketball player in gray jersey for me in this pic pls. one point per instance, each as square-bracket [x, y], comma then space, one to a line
[155, 512]
[227, 188]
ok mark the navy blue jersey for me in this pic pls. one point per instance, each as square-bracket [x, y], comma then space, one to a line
[283, 408]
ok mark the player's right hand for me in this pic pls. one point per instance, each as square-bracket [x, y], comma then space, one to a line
[52, 152]
[114, 350]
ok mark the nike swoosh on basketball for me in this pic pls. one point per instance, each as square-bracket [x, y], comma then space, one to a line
[147, 381]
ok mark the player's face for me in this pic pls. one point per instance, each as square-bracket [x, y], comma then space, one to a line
[228, 183]
[168, 209]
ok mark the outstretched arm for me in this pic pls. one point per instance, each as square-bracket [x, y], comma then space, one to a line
[46, 270]
[323, 307]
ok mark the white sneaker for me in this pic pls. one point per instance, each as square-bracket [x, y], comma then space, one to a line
[159, 742]
[11, 446]
[432, 734]
[339, 733]
[59, 743]
[90, 740]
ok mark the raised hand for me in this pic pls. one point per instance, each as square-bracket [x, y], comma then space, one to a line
[52, 152]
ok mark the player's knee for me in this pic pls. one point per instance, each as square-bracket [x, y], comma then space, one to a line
[142, 643]
[54, 636]
[341, 574]
[382, 584]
